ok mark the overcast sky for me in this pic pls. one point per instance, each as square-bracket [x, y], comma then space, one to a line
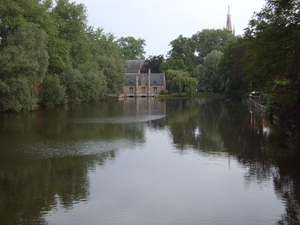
[159, 22]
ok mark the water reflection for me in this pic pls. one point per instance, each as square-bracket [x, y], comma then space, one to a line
[263, 150]
[46, 156]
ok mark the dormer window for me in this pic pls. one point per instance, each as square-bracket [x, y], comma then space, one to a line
[143, 80]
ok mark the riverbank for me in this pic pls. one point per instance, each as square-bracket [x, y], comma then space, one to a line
[184, 95]
[256, 107]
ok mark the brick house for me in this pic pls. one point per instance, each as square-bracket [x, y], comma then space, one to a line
[139, 84]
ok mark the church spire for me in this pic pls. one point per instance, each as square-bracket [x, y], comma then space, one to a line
[228, 22]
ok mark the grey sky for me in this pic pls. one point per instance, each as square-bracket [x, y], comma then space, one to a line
[159, 22]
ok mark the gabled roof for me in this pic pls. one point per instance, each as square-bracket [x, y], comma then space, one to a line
[134, 65]
[155, 79]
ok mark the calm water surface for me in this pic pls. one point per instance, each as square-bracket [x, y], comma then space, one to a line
[146, 161]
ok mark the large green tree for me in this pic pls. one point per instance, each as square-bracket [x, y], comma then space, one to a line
[23, 62]
[52, 92]
[180, 81]
[183, 48]
[273, 37]
[132, 48]
[210, 39]
[208, 73]
[71, 22]
[232, 70]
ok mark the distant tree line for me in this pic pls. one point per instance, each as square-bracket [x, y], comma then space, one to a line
[48, 51]
[193, 62]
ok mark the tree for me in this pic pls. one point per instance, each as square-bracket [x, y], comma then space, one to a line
[177, 80]
[199, 73]
[180, 81]
[190, 86]
[232, 70]
[71, 22]
[52, 91]
[94, 86]
[13, 16]
[84, 84]
[113, 69]
[132, 48]
[173, 63]
[183, 48]
[15, 94]
[23, 62]
[208, 73]
[210, 39]
[273, 38]
[153, 63]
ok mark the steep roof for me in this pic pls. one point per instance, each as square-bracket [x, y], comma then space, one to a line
[134, 65]
[155, 79]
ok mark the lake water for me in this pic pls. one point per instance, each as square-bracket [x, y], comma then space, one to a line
[147, 161]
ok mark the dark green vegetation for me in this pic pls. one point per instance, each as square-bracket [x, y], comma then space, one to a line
[49, 54]
[264, 60]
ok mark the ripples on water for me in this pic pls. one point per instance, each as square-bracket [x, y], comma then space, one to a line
[109, 165]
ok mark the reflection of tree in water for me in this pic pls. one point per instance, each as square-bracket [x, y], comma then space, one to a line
[196, 123]
[28, 191]
[224, 126]
[286, 180]
[228, 126]
[243, 137]
[46, 155]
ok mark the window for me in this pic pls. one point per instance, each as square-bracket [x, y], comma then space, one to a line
[143, 90]
[155, 90]
[131, 90]
[143, 81]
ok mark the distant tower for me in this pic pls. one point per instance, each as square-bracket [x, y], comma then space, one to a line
[228, 22]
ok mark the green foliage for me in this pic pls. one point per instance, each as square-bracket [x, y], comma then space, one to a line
[183, 48]
[38, 37]
[70, 20]
[25, 55]
[187, 53]
[73, 80]
[190, 86]
[59, 52]
[173, 64]
[15, 94]
[180, 81]
[273, 37]
[176, 80]
[211, 63]
[52, 91]
[113, 69]
[84, 84]
[232, 70]
[273, 45]
[200, 73]
[12, 17]
[153, 63]
[23, 65]
[208, 40]
[208, 74]
[94, 84]
[132, 48]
